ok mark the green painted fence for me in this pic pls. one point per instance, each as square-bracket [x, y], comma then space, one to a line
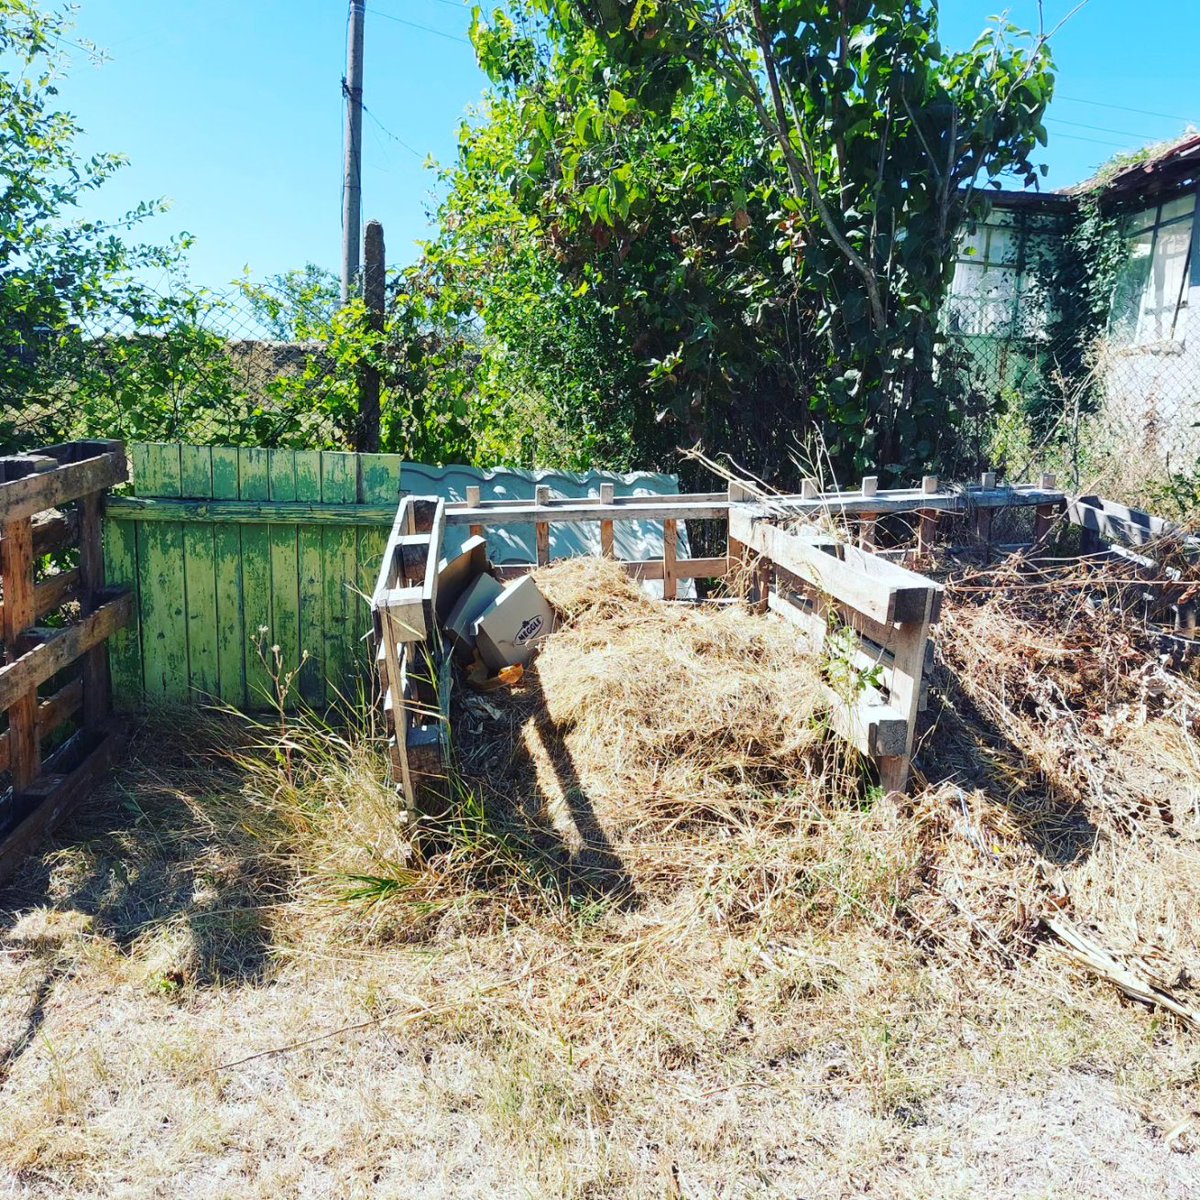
[208, 576]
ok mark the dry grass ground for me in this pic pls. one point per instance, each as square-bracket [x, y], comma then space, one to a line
[672, 944]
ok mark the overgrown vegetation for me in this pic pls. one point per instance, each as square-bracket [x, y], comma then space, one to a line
[673, 224]
[754, 205]
[674, 950]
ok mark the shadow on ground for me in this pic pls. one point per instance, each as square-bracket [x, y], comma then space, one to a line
[536, 799]
[964, 747]
[146, 864]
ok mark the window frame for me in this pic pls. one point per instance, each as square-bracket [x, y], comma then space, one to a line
[1136, 225]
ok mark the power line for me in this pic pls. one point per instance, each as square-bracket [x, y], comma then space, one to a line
[1103, 129]
[1144, 112]
[1077, 137]
[451, 37]
[394, 136]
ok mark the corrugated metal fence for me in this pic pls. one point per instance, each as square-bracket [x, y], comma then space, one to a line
[220, 542]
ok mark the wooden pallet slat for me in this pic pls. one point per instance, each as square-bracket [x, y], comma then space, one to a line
[47, 489]
[232, 637]
[311, 583]
[254, 483]
[43, 784]
[58, 648]
[20, 697]
[285, 567]
[411, 656]
[339, 558]
[200, 577]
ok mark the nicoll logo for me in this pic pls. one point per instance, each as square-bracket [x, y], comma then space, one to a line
[529, 630]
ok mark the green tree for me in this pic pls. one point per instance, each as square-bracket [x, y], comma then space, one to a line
[57, 271]
[294, 306]
[767, 194]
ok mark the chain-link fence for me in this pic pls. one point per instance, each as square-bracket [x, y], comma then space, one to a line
[204, 366]
[1097, 380]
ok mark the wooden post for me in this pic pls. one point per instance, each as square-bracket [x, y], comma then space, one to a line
[927, 518]
[473, 499]
[16, 561]
[91, 580]
[983, 516]
[375, 298]
[542, 528]
[670, 547]
[737, 555]
[1044, 514]
[607, 496]
[809, 489]
[908, 645]
[866, 529]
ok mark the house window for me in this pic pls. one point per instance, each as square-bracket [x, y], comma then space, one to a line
[1152, 287]
[993, 293]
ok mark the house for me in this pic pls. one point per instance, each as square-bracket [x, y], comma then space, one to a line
[1024, 308]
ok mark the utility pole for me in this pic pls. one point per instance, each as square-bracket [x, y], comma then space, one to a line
[352, 89]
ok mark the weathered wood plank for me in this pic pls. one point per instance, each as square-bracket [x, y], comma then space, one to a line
[37, 492]
[607, 529]
[927, 519]
[254, 483]
[61, 707]
[641, 569]
[379, 482]
[16, 563]
[52, 592]
[541, 529]
[473, 497]
[882, 590]
[670, 560]
[161, 581]
[311, 582]
[54, 530]
[715, 507]
[244, 512]
[97, 692]
[874, 729]
[58, 794]
[125, 645]
[200, 576]
[232, 639]
[285, 567]
[339, 550]
[1126, 526]
[61, 647]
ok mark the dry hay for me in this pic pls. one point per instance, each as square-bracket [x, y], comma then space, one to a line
[756, 976]
[1056, 683]
[642, 723]
[1081, 737]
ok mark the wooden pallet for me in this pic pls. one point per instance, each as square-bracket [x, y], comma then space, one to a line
[54, 623]
[413, 665]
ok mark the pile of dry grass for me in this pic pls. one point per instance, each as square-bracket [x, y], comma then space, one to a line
[1081, 737]
[1053, 682]
[663, 930]
[642, 729]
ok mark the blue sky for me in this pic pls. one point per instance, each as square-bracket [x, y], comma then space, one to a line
[231, 109]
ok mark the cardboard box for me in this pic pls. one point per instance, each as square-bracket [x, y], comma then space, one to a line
[511, 630]
[457, 574]
[482, 593]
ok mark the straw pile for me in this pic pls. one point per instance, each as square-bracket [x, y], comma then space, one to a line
[1081, 736]
[640, 719]
[667, 753]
